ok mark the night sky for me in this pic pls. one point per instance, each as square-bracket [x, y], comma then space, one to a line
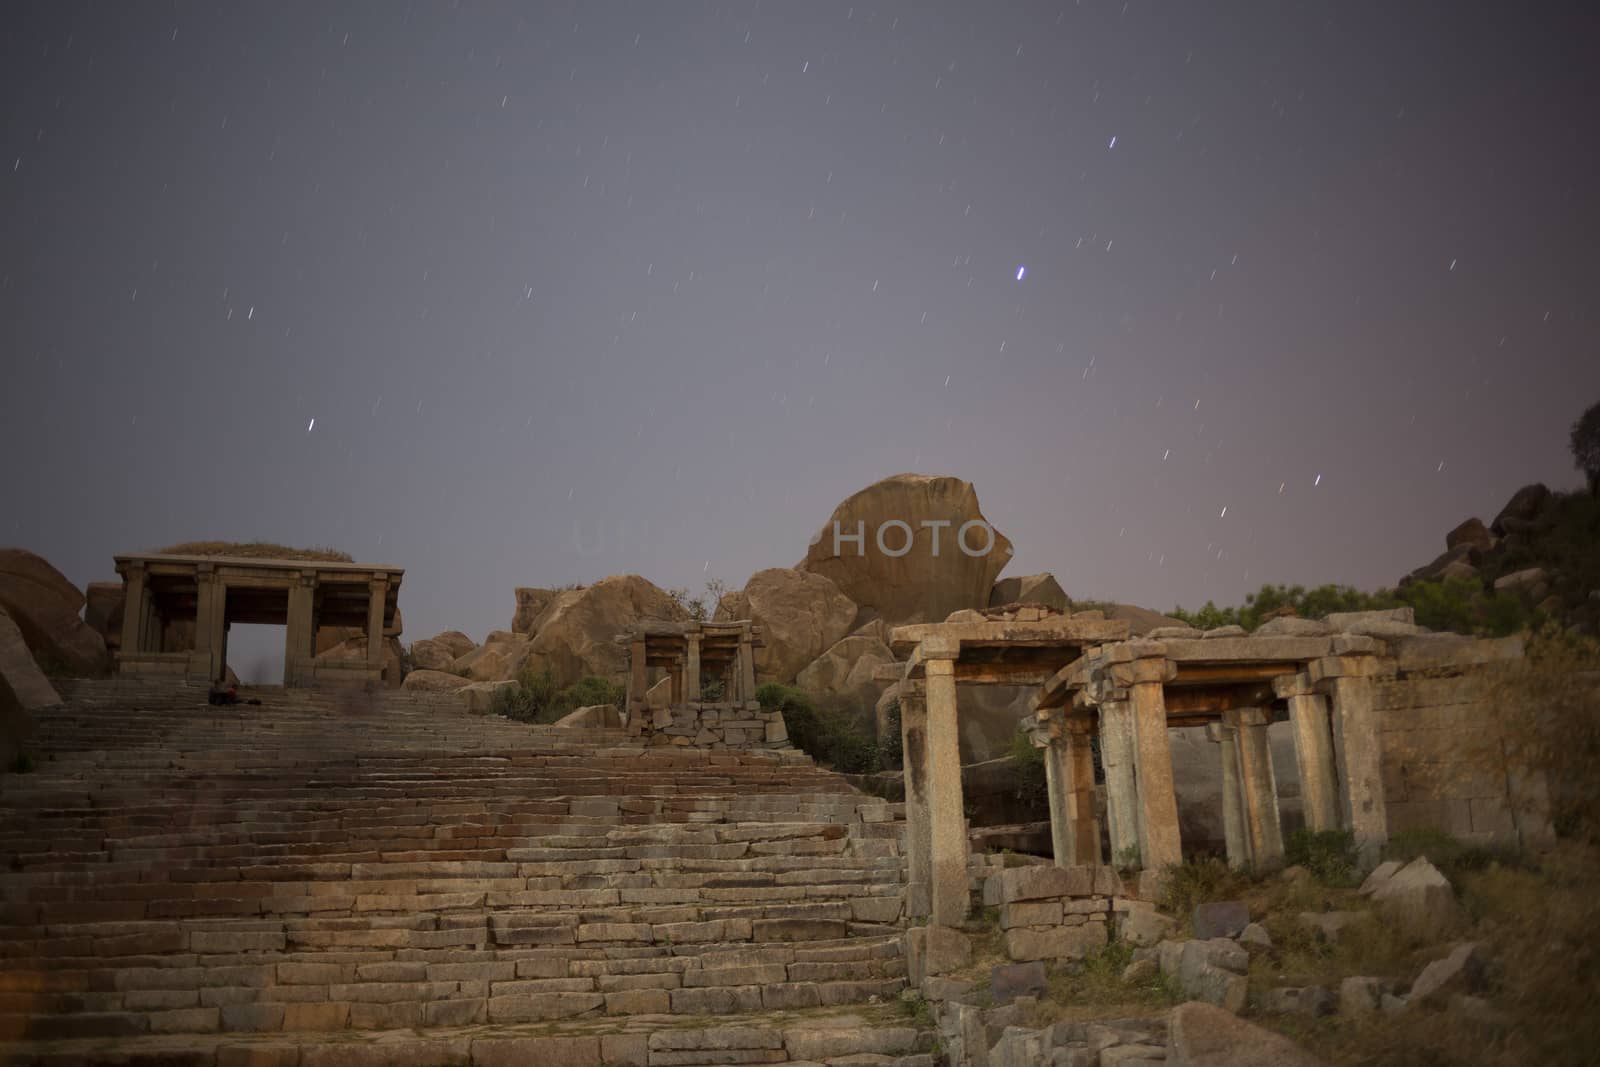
[532, 294]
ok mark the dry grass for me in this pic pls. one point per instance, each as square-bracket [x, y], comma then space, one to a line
[256, 550]
[1538, 927]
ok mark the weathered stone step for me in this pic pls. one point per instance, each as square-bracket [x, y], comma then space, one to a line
[860, 1036]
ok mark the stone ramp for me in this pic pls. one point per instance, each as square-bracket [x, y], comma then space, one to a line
[344, 866]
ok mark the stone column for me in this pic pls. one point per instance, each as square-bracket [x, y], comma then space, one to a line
[1358, 754]
[1313, 750]
[747, 668]
[1058, 780]
[638, 675]
[300, 630]
[919, 841]
[1085, 829]
[134, 608]
[1258, 787]
[1145, 677]
[691, 668]
[946, 810]
[209, 610]
[379, 593]
[1122, 793]
[1233, 831]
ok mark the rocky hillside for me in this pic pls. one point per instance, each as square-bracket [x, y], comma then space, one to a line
[1542, 550]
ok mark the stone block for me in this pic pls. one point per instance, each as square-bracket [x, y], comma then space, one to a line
[1220, 918]
[1009, 981]
[546, 1051]
[1459, 972]
[945, 950]
[1030, 913]
[1043, 882]
[1418, 899]
[399, 1050]
[1055, 943]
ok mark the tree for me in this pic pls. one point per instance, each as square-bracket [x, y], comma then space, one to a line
[1586, 446]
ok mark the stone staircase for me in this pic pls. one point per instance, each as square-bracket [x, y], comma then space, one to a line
[352, 878]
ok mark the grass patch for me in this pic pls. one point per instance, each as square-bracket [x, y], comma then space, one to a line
[255, 550]
[1092, 988]
[1330, 855]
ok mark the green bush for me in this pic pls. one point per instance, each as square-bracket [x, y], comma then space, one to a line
[538, 698]
[1461, 605]
[831, 734]
[1330, 855]
[1033, 788]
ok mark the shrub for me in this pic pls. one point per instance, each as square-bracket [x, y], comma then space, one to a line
[1033, 788]
[538, 698]
[831, 734]
[1330, 855]
[1196, 881]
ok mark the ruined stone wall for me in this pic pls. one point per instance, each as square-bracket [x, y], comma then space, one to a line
[1444, 763]
[711, 726]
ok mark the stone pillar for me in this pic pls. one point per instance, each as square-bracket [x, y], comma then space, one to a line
[209, 611]
[638, 675]
[946, 811]
[1122, 794]
[919, 840]
[379, 593]
[300, 631]
[1145, 678]
[1358, 754]
[1085, 829]
[134, 610]
[1258, 787]
[691, 668]
[747, 668]
[1233, 828]
[1058, 781]
[1313, 750]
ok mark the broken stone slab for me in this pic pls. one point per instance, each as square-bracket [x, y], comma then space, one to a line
[1178, 632]
[1012, 980]
[1459, 972]
[1349, 620]
[1213, 971]
[1019, 1047]
[1201, 1035]
[1379, 876]
[1141, 924]
[1418, 899]
[1255, 939]
[1220, 918]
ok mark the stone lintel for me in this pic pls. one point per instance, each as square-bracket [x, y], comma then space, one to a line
[1292, 685]
[1353, 666]
[1143, 671]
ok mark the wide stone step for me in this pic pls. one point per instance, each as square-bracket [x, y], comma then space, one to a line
[860, 1036]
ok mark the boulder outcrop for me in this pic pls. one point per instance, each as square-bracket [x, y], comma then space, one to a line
[844, 671]
[531, 602]
[1030, 589]
[577, 629]
[801, 616]
[912, 562]
[45, 607]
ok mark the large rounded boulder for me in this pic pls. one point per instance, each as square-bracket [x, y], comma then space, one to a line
[844, 673]
[45, 607]
[801, 616]
[577, 630]
[911, 548]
